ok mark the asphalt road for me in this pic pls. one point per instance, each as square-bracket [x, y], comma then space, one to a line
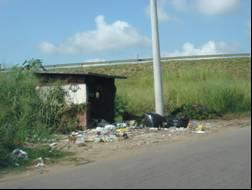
[216, 161]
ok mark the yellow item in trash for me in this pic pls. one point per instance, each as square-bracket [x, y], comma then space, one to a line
[122, 130]
[200, 128]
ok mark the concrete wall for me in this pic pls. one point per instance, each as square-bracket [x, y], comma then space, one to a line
[75, 93]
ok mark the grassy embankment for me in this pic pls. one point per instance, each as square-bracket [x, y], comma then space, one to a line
[223, 85]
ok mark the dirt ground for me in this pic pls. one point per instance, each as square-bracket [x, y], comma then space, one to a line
[139, 140]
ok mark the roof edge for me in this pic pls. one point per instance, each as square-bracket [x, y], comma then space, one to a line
[85, 74]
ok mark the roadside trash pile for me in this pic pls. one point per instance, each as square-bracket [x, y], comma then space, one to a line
[103, 133]
[150, 122]
[149, 128]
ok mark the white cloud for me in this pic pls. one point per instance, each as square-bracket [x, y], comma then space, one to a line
[162, 13]
[209, 48]
[205, 7]
[180, 4]
[47, 47]
[106, 37]
[163, 16]
[216, 7]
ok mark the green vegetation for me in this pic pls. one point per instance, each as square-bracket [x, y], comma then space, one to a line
[25, 117]
[197, 112]
[223, 85]
[215, 86]
[120, 107]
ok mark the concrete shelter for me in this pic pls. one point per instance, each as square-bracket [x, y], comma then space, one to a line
[94, 91]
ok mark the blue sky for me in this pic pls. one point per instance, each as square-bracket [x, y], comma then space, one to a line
[64, 31]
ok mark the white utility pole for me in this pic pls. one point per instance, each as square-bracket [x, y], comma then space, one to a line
[158, 86]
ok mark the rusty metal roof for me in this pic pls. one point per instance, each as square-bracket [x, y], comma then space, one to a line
[78, 74]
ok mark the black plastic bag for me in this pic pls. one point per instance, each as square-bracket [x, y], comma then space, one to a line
[177, 121]
[153, 120]
[157, 121]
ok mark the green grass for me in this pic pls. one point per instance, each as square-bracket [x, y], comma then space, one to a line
[24, 116]
[223, 85]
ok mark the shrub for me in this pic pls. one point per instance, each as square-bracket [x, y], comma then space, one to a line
[121, 106]
[24, 116]
[196, 111]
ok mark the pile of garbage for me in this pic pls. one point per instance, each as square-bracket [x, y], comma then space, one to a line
[106, 132]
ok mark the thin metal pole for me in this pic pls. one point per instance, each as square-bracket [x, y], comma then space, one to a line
[158, 86]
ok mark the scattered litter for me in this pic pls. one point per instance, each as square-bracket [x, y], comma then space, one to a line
[148, 123]
[52, 146]
[176, 121]
[72, 138]
[153, 129]
[200, 127]
[125, 136]
[102, 123]
[110, 128]
[105, 130]
[200, 132]
[132, 123]
[19, 154]
[105, 134]
[108, 138]
[153, 120]
[90, 137]
[80, 139]
[39, 162]
[172, 130]
[76, 137]
[122, 130]
[121, 125]
[98, 139]
[180, 129]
